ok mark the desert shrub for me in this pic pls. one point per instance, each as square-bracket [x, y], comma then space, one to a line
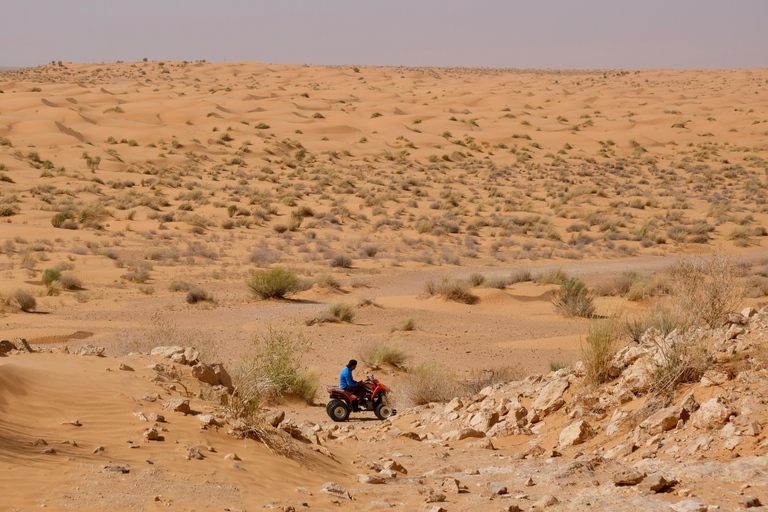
[275, 369]
[643, 288]
[179, 286]
[684, 358]
[450, 289]
[476, 279]
[326, 280]
[57, 220]
[369, 251]
[339, 312]
[137, 276]
[520, 276]
[341, 261]
[264, 257]
[70, 282]
[196, 295]
[557, 365]
[619, 285]
[409, 324]
[275, 283]
[50, 275]
[704, 289]
[306, 385]
[376, 354]
[427, 383]
[599, 349]
[554, 276]
[499, 282]
[573, 299]
[25, 300]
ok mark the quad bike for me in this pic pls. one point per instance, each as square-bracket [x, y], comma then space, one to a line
[373, 398]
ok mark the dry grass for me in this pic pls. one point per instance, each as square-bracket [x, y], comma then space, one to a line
[599, 349]
[451, 289]
[573, 299]
[376, 354]
[428, 383]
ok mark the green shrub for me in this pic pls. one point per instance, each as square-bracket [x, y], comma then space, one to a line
[57, 220]
[275, 283]
[50, 275]
[573, 299]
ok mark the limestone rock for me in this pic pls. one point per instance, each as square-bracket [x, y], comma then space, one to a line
[689, 506]
[21, 345]
[91, 350]
[124, 367]
[656, 483]
[551, 398]
[627, 476]
[177, 405]
[575, 433]
[274, 418]
[545, 501]
[663, 420]
[497, 488]
[395, 466]
[484, 420]
[370, 479]
[232, 456]
[734, 331]
[181, 355]
[748, 312]
[715, 377]
[335, 489]
[462, 433]
[151, 434]
[712, 414]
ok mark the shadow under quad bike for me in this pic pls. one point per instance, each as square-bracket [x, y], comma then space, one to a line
[373, 398]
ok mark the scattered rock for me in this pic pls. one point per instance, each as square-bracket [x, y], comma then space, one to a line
[5, 347]
[462, 433]
[545, 501]
[233, 456]
[655, 483]
[194, 453]
[91, 350]
[627, 476]
[750, 502]
[40, 442]
[151, 434]
[550, 398]
[181, 355]
[159, 418]
[177, 405]
[689, 506]
[663, 420]
[335, 489]
[274, 418]
[21, 345]
[118, 469]
[497, 488]
[370, 479]
[48, 451]
[748, 312]
[734, 331]
[712, 414]
[575, 433]
[124, 367]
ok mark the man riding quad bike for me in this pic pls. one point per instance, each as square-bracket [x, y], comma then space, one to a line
[351, 396]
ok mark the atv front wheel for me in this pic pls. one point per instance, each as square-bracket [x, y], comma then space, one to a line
[383, 411]
[338, 410]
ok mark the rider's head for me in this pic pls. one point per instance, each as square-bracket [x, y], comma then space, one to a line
[352, 364]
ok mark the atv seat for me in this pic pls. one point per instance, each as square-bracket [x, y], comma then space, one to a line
[335, 388]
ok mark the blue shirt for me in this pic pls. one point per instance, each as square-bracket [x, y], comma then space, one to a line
[346, 380]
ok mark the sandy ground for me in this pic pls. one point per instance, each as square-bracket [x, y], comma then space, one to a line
[204, 173]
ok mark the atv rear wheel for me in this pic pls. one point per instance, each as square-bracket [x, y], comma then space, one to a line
[383, 410]
[338, 410]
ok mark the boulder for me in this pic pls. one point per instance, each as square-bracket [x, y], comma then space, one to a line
[545, 501]
[181, 355]
[335, 489]
[551, 398]
[575, 433]
[151, 434]
[656, 483]
[484, 420]
[713, 414]
[748, 312]
[177, 405]
[689, 404]
[395, 466]
[663, 420]
[627, 476]
[370, 479]
[462, 433]
[91, 350]
[734, 331]
[21, 345]
[454, 405]
[497, 488]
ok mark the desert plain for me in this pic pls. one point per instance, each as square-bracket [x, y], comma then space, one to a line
[434, 212]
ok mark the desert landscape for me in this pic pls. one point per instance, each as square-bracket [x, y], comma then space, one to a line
[560, 274]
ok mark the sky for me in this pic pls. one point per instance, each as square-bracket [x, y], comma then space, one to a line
[573, 34]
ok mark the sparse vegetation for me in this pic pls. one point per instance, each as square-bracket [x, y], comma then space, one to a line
[376, 354]
[275, 283]
[574, 299]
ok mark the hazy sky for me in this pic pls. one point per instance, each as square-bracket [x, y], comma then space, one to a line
[491, 33]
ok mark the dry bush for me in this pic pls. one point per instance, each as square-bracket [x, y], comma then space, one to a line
[25, 300]
[275, 283]
[705, 289]
[555, 276]
[427, 383]
[409, 324]
[341, 261]
[338, 312]
[573, 299]
[326, 280]
[480, 379]
[70, 282]
[376, 354]
[450, 289]
[476, 279]
[599, 349]
[196, 295]
[179, 286]
[520, 276]
[653, 286]
[684, 358]
[617, 286]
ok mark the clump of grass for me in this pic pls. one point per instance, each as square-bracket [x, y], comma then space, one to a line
[520, 276]
[682, 359]
[376, 354]
[557, 365]
[573, 299]
[341, 261]
[275, 283]
[50, 275]
[70, 282]
[196, 295]
[480, 379]
[705, 289]
[338, 312]
[428, 383]
[25, 300]
[476, 279]
[450, 289]
[409, 324]
[599, 349]
[179, 286]
[554, 276]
